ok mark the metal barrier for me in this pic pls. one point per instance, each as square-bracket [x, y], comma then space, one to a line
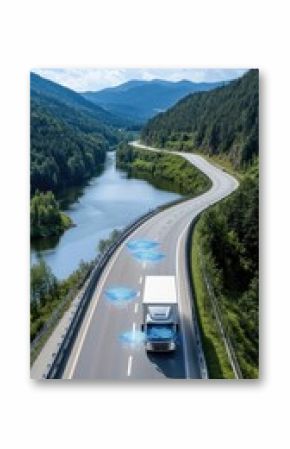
[218, 317]
[57, 314]
[56, 367]
[201, 357]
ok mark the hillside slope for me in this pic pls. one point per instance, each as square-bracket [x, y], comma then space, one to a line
[61, 155]
[222, 121]
[46, 88]
[68, 141]
[140, 100]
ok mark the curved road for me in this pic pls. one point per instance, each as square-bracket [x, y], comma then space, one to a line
[100, 350]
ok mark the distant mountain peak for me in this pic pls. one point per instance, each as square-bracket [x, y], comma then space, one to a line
[140, 100]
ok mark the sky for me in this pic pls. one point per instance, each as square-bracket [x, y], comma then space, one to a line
[96, 79]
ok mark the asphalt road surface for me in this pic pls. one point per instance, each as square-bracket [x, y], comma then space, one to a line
[109, 343]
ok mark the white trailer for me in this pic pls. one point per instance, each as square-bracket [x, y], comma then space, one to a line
[160, 313]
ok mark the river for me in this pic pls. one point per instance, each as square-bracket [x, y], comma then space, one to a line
[110, 201]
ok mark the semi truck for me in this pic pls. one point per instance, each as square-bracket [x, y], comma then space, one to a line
[160, 313]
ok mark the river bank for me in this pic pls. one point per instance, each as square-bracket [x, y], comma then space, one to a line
[109, 201]
[164, 170]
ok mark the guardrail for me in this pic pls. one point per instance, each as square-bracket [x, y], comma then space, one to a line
[56, 367]
[201, 357]
[218, 317]
[51, 323]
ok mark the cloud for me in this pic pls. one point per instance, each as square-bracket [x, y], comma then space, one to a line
[84, 79]
[95, 79]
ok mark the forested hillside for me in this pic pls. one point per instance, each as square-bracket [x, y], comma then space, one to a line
[68, 142]
[222, 121]
[60, 154]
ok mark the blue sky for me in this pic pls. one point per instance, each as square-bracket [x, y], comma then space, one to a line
[96, 79]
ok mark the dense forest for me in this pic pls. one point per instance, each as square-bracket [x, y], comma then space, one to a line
[68, 142]
[162, 169]
[229, 239]
[222, 121]
[61, 155]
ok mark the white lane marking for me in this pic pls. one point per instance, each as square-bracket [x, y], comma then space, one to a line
[129, 368]
[140, 279]
[134, 328]
[136, 307]
[144, 265]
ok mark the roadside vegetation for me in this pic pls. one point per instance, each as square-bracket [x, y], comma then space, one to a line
[165, 170]
[46, 219]
[226, 241]
[104, 244]
[214, 349]
[48, 295]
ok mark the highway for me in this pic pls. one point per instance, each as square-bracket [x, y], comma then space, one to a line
[108, 346]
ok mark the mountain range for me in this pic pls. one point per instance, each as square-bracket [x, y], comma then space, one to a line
[138, 100]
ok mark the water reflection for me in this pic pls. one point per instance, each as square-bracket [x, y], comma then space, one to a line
[46, 244]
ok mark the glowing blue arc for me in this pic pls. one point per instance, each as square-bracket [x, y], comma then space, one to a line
[120, 294]
[132, 338]
[149, 256]
[142, 244]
